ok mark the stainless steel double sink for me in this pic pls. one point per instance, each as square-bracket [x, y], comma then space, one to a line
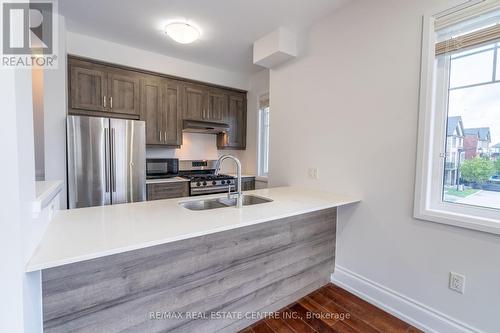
[224, 202]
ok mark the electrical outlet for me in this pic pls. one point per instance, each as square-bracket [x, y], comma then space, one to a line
[313, 173]
[457, 282]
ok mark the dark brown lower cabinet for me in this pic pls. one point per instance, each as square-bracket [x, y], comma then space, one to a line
[169, 190]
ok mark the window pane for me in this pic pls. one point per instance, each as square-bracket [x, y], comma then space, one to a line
[472, 164]
[266, 140]
[263, 141]
[471, 69]
[497, 74]
[471, 51]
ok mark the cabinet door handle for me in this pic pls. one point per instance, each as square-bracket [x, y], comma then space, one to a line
[160, 135]
[111, 102]
[165, 135]
[104, 101]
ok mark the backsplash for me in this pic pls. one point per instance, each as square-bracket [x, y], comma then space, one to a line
[195, 146]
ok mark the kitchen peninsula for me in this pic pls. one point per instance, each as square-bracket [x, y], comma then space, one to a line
[108, 268]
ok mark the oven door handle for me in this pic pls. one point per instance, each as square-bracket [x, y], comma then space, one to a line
[209, 189]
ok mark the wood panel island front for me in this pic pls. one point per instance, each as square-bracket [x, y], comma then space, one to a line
[158, 267]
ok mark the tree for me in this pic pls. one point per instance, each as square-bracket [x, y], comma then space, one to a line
[477, 170]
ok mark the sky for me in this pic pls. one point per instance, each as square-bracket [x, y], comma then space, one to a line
[479, 106]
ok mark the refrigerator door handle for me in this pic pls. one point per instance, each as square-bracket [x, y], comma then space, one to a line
[113, 161]
[106, 159]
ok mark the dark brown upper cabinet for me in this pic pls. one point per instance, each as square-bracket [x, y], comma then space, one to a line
[160, 109]
[96, 89]
[162, 101]
[236, 118]
[88, 87]
[123, 90]
[204, 103]
[217, 105]
[195, 102]
[171, 115]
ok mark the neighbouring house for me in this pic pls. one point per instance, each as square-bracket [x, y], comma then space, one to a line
[454, 150]
[477, 142]
[495, 151]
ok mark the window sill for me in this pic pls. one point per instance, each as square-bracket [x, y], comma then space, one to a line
[466, 221]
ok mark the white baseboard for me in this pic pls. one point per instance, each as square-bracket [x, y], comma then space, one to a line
[405, 308]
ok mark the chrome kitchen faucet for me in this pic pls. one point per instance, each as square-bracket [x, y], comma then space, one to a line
[239, 195]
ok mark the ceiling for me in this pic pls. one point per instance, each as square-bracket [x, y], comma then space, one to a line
[228, 27]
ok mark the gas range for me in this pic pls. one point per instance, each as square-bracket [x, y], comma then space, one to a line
[208, 183]
[202, 179]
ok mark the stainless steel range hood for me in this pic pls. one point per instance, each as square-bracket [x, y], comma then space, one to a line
[207, 127]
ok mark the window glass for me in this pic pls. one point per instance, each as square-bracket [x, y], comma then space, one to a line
[263, 158]
[473, 126]
[497, 67]
[458, 164]
[471, 69]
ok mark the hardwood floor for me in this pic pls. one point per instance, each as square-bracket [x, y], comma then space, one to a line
[331, 309]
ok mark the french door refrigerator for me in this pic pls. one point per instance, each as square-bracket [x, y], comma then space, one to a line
[106, 161]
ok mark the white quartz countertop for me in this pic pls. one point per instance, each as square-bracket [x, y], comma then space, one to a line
[166, 180]
[45, 191]
[87, 233]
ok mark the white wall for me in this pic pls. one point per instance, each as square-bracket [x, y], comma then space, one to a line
[258, 85]
[349, 106]
[20, 293]
[55, 111]
[38, 123]
[11, 254]
[86, 46]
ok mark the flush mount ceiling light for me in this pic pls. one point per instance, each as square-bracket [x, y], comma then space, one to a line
[181, 32]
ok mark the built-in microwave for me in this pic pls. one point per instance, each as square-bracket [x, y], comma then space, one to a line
[161, 168]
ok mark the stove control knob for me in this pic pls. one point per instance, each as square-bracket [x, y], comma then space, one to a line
[204, 183]
[214, 182]
[198, 184]
[222, 182]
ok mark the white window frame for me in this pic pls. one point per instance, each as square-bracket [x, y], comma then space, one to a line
[428, 203]
[260, 166]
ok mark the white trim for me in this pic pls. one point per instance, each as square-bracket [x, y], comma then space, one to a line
[428, 176]
[399, 305]
[467, 10]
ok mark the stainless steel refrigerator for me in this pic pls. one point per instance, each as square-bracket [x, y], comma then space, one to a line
[106, 161]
